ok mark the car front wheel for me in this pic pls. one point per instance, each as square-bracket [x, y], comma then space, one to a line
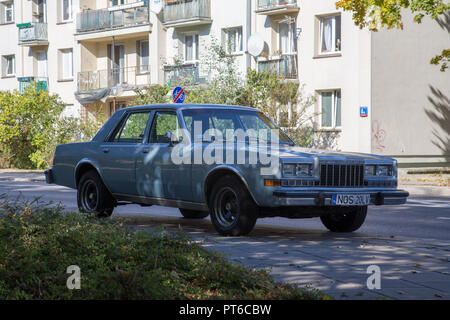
[93, 196]
[345, 219]
[232, 209]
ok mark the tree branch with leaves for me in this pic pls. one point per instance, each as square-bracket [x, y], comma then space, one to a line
[378, 14]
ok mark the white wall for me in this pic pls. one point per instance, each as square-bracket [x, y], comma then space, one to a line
[349, 72]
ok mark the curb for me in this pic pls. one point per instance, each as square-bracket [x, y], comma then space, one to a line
[426, 190]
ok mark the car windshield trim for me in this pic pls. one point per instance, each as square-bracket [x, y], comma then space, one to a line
[235, 116]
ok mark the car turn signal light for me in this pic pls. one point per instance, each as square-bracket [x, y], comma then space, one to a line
[272, 183]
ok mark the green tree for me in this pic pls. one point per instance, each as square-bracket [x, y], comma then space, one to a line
[32, 125]
[376, 14]
[152, 95]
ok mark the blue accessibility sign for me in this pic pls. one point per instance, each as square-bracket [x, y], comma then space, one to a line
[178, 95]
[363, 112]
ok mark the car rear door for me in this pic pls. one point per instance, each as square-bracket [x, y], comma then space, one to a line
[157, 176]
[119, 153]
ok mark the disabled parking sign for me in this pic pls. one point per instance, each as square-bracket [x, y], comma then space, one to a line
[178, 95]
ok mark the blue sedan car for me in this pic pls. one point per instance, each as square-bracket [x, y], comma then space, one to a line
[232, 163]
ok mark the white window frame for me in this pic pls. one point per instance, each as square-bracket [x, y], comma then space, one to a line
[10, 9]
[333, 109]
[144, 68]
[7, 60]
[333, 34]
[63, 74]
[291, 37]
[239, 45]
[70, 18]
[195, 47]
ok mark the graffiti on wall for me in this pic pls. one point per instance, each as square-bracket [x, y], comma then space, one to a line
[378, 136]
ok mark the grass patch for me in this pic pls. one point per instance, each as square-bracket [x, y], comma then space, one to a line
[39, 241]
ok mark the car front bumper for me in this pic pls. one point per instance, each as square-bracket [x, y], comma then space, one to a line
[324, 198]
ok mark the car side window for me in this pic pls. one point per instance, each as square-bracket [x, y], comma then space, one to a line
[133, 130]
[163, 122]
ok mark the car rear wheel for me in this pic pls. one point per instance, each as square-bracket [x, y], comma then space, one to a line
[232, 209]
[193, 214]
[93, 196]
[345, 219]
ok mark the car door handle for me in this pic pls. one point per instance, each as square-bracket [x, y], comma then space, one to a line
[146, 150]
[105, 150]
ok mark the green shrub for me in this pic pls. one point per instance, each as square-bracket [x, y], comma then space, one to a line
[38, 242]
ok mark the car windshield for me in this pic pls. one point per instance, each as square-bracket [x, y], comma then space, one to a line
[223, 122]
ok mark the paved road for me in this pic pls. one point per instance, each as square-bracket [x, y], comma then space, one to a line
[420, 218]
[410, 244]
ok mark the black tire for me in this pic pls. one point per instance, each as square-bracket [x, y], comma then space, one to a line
[93, 196]
[232, 209]
[345, 219]
[193, 214]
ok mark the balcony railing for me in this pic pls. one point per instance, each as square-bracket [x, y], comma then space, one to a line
[179, 11]
[111, 18]
[183, 75]
[41, 83]
[285, 66]
[127, 78]
[274, 4]
[32, 32]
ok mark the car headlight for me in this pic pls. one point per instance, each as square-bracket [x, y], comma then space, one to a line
[370, 170]
[378, 170]
[384, 171]
[297, 170]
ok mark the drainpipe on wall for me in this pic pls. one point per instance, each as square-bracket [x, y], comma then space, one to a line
[247, 34]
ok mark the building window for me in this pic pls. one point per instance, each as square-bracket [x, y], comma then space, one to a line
[117, 2]
[66, 64]
[66, 12]
[9, 66]
[233, 40]
[330, 116]
[191, 47]
[6, 12]
[287, 42]
[330, 34]
[143, 50]
[9, 12]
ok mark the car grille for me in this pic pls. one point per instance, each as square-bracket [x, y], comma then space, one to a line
[342, 175]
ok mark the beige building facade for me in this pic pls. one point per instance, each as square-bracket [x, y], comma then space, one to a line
[376, 92]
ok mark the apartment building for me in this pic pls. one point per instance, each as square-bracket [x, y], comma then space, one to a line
[376, 92]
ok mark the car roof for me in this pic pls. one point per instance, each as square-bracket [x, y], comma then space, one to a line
[182, 106]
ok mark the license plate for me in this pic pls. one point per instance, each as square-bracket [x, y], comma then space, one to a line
[351, 199]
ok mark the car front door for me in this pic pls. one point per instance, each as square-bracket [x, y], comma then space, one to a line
[156, 173]
[119, 153]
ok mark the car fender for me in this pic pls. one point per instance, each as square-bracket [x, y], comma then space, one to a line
[91, 162]
[236, 171]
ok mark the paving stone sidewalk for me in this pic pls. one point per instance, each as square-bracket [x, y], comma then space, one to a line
[335, 264]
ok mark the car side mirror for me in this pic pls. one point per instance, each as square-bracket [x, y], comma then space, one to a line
[171, 138]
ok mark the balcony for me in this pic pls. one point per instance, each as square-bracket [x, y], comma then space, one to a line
[41, 83]
[117, 20]
[184, 75]
[128, 78]
[285, 66]
[180, 13]
[270, 7]
[33, 34]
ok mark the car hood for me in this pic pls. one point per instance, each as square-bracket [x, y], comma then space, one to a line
[286, 152]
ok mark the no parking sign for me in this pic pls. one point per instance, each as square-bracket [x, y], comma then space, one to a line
[178, 95]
